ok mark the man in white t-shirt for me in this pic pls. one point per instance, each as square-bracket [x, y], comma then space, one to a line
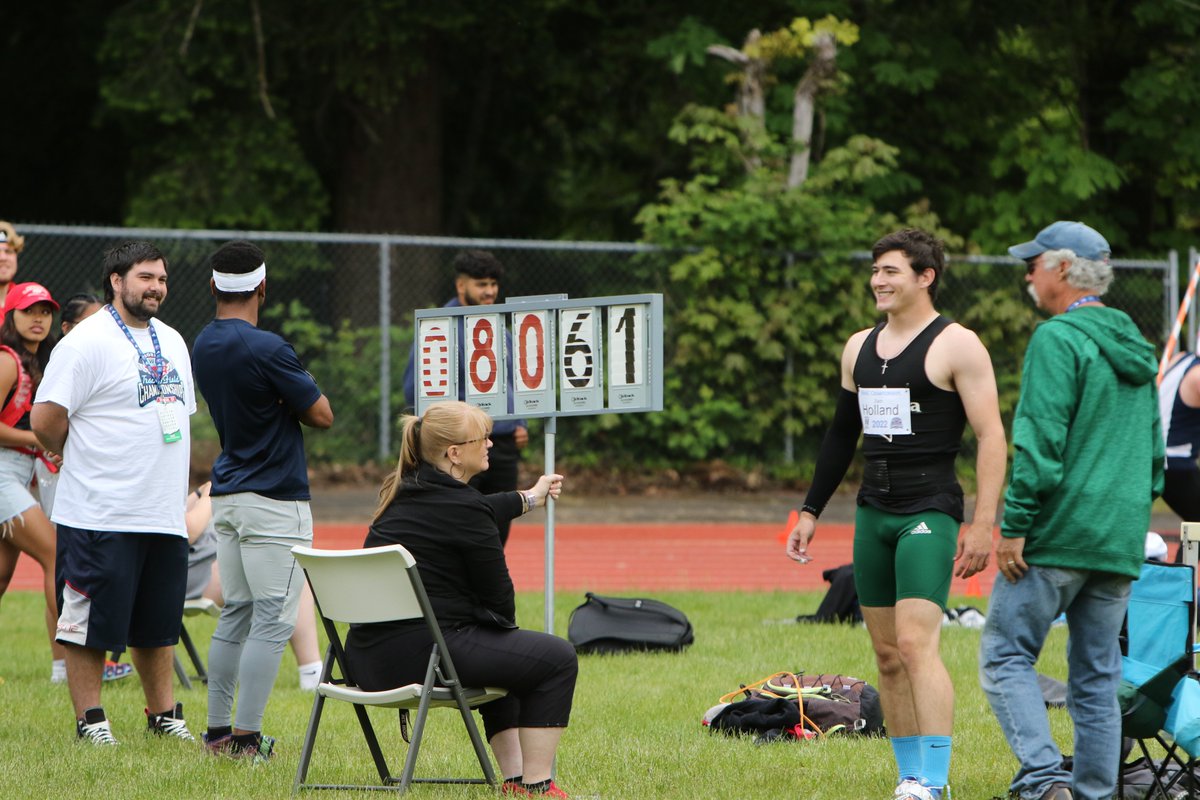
[115, 402]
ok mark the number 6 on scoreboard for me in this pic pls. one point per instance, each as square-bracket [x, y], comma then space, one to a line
[580, 360]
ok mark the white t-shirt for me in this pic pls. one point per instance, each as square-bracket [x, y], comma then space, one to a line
[118, 474]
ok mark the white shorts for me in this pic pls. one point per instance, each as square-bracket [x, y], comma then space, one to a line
[16, 473]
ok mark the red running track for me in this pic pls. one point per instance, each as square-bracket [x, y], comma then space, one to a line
[725, 557]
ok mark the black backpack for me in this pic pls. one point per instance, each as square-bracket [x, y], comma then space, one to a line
[840, 603]
[802, 706]
[621, 624]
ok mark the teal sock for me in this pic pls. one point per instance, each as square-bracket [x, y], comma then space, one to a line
[908, 755]
[935, 760]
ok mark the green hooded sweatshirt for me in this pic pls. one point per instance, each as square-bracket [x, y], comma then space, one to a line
[1088, 443]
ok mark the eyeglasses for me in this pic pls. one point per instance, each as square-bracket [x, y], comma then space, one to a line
[471, 441]
[1031, 265]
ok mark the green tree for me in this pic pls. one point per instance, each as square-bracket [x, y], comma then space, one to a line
[764, 272]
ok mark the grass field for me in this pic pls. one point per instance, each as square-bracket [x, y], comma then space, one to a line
[635, 729]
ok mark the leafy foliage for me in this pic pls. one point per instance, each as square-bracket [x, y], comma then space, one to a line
[764, 291]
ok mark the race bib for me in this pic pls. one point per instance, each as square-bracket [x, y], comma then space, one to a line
[885, 412]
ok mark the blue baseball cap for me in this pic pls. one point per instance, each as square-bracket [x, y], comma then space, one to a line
[1083, 241]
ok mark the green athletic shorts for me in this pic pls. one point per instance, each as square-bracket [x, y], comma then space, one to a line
[897, 556]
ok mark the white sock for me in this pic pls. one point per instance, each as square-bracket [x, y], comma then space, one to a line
[58, 670]
[310, 675]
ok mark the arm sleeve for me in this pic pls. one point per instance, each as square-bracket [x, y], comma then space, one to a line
[837, 451]
[507, 506]
[1049, 395]
[67, 379]
[483, 556]
[294, 384]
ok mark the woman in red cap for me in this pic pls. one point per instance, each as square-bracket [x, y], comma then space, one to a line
[25, 344]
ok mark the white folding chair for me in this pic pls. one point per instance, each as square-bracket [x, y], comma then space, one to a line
[381, 584]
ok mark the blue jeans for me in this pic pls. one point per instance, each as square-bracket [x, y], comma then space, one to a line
[1019, 617]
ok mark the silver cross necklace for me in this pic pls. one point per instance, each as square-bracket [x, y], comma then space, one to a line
[883, 369]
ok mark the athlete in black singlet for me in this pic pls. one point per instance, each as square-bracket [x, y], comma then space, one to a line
[908, 386]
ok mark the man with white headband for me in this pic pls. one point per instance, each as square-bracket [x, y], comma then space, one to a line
[258, 394]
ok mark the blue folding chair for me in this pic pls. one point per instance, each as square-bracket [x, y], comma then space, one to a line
[1160, 693]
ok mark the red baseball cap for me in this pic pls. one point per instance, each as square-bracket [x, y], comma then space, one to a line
[24, 295]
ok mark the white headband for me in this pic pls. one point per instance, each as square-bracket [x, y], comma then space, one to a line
[239, 282]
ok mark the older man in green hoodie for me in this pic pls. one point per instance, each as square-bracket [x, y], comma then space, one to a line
[1088, 463]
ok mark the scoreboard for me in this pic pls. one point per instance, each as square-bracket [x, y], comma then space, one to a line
[557, 357]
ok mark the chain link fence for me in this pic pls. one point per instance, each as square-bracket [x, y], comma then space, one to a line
[346, 300]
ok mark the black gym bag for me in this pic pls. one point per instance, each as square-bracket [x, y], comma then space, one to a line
[621, 624]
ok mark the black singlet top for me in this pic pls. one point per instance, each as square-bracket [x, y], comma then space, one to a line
[906, 474]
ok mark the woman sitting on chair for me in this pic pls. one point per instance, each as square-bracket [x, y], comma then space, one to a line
[450, 529]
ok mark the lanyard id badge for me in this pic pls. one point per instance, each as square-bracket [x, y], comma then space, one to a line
[156, 365]
[168, 420]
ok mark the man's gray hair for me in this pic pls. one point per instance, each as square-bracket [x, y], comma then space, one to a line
[1082, 273]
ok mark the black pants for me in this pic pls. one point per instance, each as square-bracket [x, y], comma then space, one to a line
[1181, 491]
[501, 474]
[537, 669]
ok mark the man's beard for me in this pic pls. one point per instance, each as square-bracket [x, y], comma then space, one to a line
[1033, 293]
[136, 305]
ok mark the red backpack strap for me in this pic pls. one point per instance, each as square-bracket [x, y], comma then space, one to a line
[22, 397]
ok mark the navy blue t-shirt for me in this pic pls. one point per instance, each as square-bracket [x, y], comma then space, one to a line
[255, 387]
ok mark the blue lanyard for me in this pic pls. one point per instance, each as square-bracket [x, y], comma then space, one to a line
[157, 367]
[1091, 298]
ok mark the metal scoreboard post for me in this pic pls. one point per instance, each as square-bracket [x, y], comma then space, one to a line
[557, 357]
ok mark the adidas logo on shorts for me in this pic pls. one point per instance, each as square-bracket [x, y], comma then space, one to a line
[921, 527]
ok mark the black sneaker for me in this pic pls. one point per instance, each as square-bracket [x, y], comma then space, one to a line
[94, 727]
[170, 723]
[258, 753]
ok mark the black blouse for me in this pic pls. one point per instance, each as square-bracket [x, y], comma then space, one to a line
[450, 529]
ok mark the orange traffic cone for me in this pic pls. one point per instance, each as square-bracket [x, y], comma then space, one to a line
[793, 518]
[973, 589]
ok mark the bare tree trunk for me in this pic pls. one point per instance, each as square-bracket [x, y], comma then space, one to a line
[389, 181]
[391, 171]
[805, 101]
[751, 101]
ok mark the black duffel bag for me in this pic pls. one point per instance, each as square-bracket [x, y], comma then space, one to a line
[621, 624]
